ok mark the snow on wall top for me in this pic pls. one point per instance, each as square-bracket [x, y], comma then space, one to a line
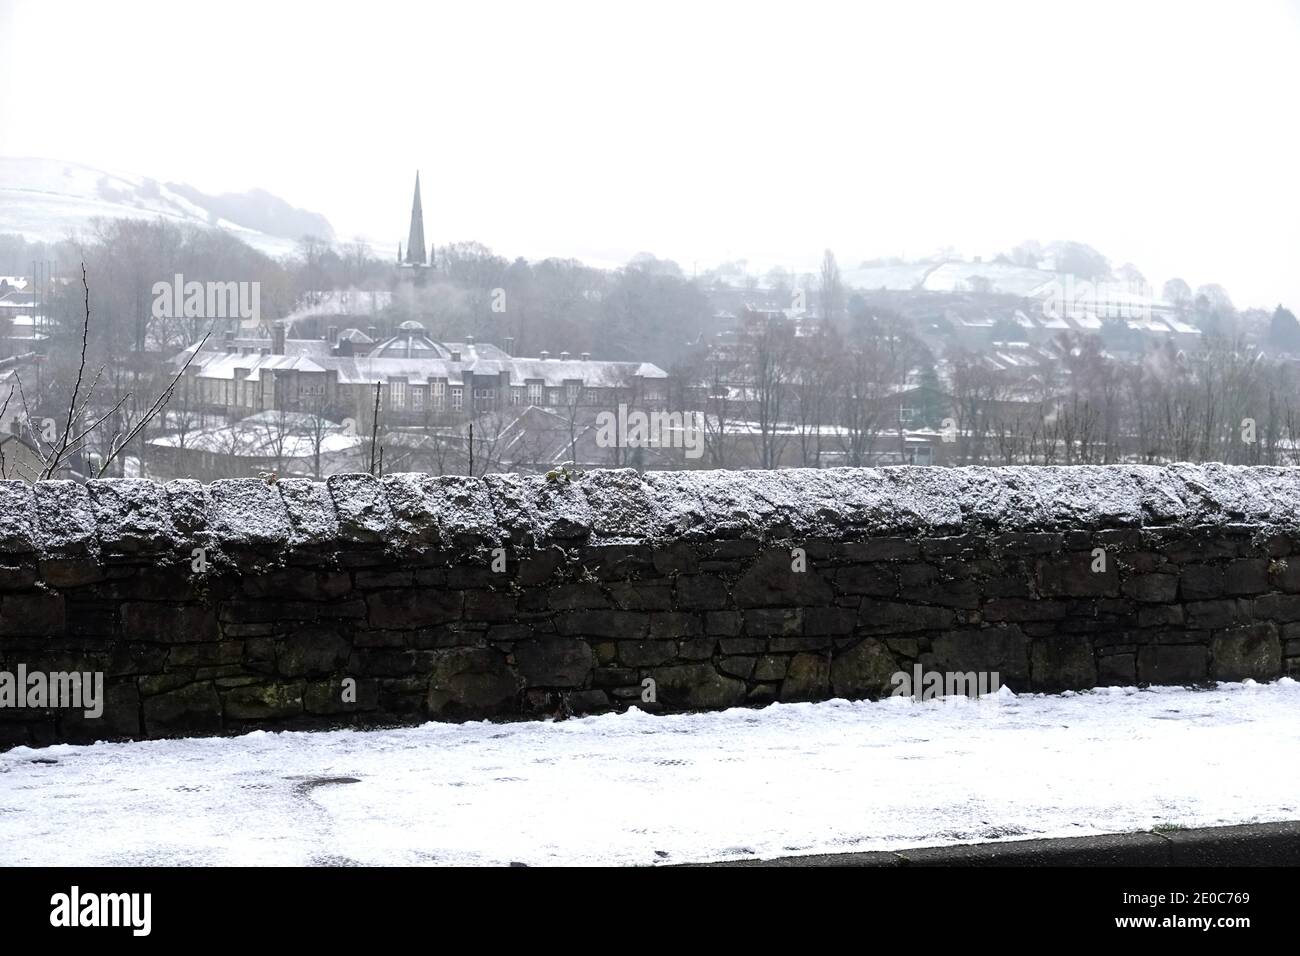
[61, 519]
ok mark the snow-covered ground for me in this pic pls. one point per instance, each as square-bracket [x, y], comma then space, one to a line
[641, 789]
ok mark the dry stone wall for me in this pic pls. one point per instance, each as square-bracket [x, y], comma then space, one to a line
[297, 604]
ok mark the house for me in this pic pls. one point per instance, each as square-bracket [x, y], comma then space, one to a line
[288, 444]
[20, 459]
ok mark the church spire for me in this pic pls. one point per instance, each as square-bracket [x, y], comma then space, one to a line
[415, 242]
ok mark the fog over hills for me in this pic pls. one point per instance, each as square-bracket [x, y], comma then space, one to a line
[49, 199]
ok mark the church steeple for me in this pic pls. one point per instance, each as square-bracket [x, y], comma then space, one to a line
[415, 242]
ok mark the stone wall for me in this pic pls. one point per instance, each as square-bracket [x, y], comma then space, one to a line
[242, 604]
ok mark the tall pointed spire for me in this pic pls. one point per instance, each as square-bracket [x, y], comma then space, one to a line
[415, 242]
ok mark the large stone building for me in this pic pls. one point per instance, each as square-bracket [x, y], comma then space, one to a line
[266, 401]
[418, 377]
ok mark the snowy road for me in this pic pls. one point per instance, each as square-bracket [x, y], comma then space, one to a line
[638, 789]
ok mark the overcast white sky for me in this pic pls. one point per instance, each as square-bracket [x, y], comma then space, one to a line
[1167, 134]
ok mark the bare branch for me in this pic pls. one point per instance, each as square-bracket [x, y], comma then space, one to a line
[52, 465]
[157, 406]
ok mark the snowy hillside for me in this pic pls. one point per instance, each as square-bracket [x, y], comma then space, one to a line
[45, 199]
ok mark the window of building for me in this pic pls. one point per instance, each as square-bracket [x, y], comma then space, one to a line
[397, 394]
[439, 394]
[483, 397]
[536, 393]
[571, 392]
[457, 397]
[417, 397]
[517, 395]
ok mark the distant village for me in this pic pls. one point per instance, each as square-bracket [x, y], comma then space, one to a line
[1028, 358]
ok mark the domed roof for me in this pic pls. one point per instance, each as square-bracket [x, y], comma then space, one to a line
[409, 342]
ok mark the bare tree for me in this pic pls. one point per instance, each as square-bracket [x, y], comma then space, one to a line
[812, 356]
[831, 291]
[770, 368]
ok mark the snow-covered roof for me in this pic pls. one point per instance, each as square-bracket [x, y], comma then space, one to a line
[282, 435]
[367, 370]
[226, 365]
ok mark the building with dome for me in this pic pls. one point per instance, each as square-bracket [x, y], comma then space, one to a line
[535, 411]
[419, 377]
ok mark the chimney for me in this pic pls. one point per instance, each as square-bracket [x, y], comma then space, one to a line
[545, 355]
[469, 340]
[510, 345]
[230, 342]
[373, 332]
[277, 339]
[564, 356]
[455, 355]
[334, 335]
[586, 356]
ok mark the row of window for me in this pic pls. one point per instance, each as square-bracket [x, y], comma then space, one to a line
[401, 394]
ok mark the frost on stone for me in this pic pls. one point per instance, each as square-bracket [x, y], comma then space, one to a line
[361, 506]
[413, 521]
[1041, 498]
[830, 502]
[1083, 496]
[247, 512]
[1239, 493]
[909, 503]
[622, 507]
[1220, 494]
[460, 509]
[1207, 504]
[17, 517]
[533, 511]
[837, 502]
[619, 506]
[812, 501]
[737, 504]
[187, 500]
[131, 516]
[1278, 489]
[65, 521]
[1160, 495]
[310, 509]
[981, 497]
[675, 506]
